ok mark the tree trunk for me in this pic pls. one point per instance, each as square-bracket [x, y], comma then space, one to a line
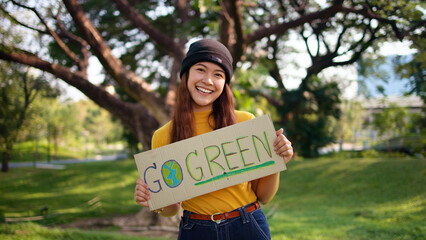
[6, 156]
[133, 85]
[36, 154]
[55, 147]
[48, 147]
[141, 122]
[5, 161]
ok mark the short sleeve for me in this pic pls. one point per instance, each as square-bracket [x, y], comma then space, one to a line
[161, 137]
[243, 116]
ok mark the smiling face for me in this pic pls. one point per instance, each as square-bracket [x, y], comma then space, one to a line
[206, 81]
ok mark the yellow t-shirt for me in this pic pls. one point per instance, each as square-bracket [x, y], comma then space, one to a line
[220, 201]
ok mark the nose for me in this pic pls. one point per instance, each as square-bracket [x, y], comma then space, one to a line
[208, 79]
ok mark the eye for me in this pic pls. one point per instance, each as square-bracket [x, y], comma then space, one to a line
[219, 75]
[200, 69]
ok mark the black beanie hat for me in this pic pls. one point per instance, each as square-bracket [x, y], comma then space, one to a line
[208, 50]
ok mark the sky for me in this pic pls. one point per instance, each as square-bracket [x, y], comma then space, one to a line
[394, 86]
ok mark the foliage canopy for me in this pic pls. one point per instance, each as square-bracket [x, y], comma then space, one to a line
[140, 45]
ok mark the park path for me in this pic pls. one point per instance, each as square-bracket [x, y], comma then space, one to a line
[60, 164]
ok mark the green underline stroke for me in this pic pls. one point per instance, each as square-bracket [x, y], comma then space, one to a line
[236, 172]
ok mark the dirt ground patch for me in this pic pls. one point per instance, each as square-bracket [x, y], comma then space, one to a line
[144, 223]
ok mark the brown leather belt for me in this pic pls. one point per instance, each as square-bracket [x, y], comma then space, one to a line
[218, 217]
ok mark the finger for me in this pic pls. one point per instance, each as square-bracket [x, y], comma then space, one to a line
[286, 147]
[279, 131]
[288, 155]
[140, 188]
[142, 194]
[142, 203]
[142, 191]
[280, 137]
[141, 182]
[280, 141]
[141, 198]
[280, 151]
[279, 144]
[288, 152]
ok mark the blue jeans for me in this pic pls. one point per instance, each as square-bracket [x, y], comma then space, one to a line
[251, 226]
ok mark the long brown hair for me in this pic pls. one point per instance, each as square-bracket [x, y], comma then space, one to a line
[183, 115]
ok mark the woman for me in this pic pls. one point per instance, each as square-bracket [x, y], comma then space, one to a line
[205, 103]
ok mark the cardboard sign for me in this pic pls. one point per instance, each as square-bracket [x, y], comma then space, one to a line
[209, 162]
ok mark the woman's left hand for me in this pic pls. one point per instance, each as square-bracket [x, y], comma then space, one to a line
[282, 146]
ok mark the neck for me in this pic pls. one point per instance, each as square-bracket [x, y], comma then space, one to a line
[197, 108]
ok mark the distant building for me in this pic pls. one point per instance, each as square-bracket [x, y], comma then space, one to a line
[369, 136]
[411, 103]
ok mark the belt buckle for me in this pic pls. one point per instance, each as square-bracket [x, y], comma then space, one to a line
[212, 218]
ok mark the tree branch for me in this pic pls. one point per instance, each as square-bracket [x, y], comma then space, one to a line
[339, 39]
[183, 9]
[364, 45]
[83, 45]
[282, 7]
[21, 23]
[281, 28]
[231, 32]
[135, 86]
[273, 101]
[173, 84]
[227, 31]
[305, 40]
[275, 70]
[55, 36]
[166, 42]
[128, 113]
[238, 28]
[368, 13]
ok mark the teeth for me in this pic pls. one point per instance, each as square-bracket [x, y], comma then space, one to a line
[204, 90]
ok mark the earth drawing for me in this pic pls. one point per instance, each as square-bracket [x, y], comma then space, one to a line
[172, 173]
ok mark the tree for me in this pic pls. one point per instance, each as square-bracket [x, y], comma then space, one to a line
[351, 121]
[141, 44]
[391, 122]
[18, 90]
[60, 119]
[415, 69]
[98, 123]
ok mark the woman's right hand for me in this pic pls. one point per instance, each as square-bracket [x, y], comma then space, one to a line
[142, 194]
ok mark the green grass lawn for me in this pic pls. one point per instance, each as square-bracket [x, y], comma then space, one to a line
[351, 199]
[323, 199]
[26, 151]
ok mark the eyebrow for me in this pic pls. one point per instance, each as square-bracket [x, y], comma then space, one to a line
[219, 69]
